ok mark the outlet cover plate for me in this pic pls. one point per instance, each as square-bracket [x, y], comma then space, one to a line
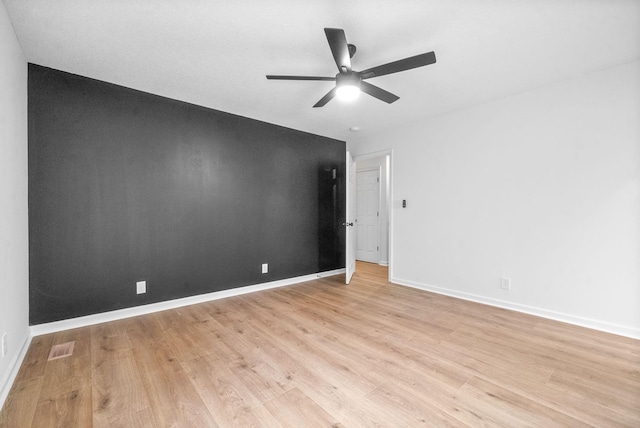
[141, 287]
[265, 267]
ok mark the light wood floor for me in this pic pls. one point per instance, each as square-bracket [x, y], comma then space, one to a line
[326, 354]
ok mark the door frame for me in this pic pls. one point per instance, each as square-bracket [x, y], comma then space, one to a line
[350, 212]
[390, 196]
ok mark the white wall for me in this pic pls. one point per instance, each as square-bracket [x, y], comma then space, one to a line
[14, 269]
[542, 187]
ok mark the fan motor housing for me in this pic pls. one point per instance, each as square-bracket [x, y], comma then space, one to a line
[350, 78]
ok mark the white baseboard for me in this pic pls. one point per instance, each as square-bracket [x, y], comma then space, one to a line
[12, 371]
[52, 327]
[620, 330]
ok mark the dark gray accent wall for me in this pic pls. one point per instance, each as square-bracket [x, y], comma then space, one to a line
[127, 186]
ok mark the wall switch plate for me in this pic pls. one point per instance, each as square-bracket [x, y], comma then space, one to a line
[141, 287]
[265, 267]
[5, 347]
[505, 283]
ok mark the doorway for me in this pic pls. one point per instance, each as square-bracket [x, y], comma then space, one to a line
[368, 215]
[373, 216]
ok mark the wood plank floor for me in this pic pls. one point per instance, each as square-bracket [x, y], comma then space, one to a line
[325, 354]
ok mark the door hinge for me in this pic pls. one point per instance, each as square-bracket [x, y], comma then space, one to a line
[378, 179]
[378, 213]
[377, 248]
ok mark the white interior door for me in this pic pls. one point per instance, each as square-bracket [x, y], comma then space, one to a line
[367, 218]
[351, 240]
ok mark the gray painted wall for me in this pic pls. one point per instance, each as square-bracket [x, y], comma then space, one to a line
[127, 186]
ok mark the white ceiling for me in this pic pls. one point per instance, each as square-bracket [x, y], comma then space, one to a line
[217, 53]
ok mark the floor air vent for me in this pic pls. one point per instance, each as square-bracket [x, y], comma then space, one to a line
[60, 351]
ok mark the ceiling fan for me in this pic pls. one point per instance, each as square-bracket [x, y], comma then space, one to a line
[349, 82]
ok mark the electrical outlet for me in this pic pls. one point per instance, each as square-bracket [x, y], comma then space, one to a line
[141, 287]
[505, 283]
[4, 345]
[265, 267]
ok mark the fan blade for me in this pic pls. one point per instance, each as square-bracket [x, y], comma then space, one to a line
[400, 65]
[338, 44]
[278, 77]
[378, 93]
[326, 98]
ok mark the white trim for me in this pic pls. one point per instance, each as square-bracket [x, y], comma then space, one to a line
[620, 330]
[368, 169]
[13, 369]
[390, 207]
[52, 327]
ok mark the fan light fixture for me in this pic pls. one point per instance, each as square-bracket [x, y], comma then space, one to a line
[347, 87]
[350, 82]
[348, 92]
